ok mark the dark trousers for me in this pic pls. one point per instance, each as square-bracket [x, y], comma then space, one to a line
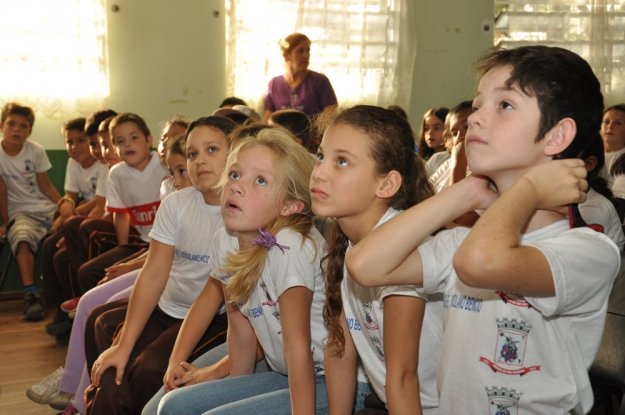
[148, 360]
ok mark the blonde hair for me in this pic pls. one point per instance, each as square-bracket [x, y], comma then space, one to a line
[293, 167]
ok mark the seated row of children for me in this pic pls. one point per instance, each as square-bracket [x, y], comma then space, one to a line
[236, 258]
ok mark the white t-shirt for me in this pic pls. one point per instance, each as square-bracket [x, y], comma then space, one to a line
[610, 158]
[136, 192]
[20, 176]
[530, 355]
[187, 223]
[436, 161]
[80, 180]
[599, 210]
[102, 180]
[364, 312]
[296, 267]
[167, 187]
[440, 178]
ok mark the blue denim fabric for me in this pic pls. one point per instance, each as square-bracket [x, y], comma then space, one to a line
[362, 391]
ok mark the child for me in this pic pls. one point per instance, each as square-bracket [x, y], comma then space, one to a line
[28, 198]
[613, 135]
[267, 262]
[165, 290]
[294, 121]
[371, 148]
[431, 138]
[92, 124]
[525, 296]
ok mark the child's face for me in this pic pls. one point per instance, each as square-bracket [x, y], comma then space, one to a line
[94, 148]
[132, 145]
[170, 131]
[15, 129]
[458, 126]
[109, 152]
[177, 165]
[433, 129]
[207, 151]
[613, 129]
[77, 146]
[343, 163]
[501, 139]
[247, 198]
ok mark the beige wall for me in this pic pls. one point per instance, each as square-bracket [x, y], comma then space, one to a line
[168, 58]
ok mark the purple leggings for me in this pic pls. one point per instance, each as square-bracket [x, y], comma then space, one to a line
[75, 377]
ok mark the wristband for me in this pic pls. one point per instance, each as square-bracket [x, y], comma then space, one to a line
[65, 199]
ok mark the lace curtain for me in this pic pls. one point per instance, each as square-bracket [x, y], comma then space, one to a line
[365, 47]
[52, 55]
[594, 29]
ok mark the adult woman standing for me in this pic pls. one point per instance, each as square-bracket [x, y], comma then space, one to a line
[299, 88]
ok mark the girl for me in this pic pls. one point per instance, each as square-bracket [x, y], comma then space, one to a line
[431, 134]
[168, 283]
[613, 135]
[267, 263]
[367, 173]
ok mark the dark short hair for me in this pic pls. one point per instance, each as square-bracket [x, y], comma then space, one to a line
[617, 107]
[129, 117]
[223, 124]
[104, 125]
[463, 106]
[232, 101]
[14, 108]
[95, 119]
[398, 110]
[75, 124]
[178, 146]
[562, 82]
[295, 121]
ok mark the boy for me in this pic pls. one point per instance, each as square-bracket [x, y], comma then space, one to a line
[132, 194]
[29, 199]
[525, 296]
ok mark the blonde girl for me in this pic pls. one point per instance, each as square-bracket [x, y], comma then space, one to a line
[267, 264]
[367, 173]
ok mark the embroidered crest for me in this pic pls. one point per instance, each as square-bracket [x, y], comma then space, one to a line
[503, 401]
[28, 165]
[269, 301]
[370, 322]
[512, 335]
[377, 343]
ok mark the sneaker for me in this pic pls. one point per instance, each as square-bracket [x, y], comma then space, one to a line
[59, 325]
[61, 400]
[71, 410]
[72, 314]
[42, 391]
[70, 305]
[33, 310]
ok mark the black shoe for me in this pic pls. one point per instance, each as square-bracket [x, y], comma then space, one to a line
[63, 338]
[33, 310]
[60, 324]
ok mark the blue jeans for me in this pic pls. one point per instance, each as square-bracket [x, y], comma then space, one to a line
[258, 394]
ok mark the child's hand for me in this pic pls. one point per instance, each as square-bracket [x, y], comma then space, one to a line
[61, 242]
[117, 270]
[482, 191]
[57, 224]
[67, 211]
[173, 373]
[196, 375]
[112, 357]
[556, 184]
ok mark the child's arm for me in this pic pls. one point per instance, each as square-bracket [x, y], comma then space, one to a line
[47, 188]
[389, 256]
[145, 295]
[241, 340]
[403, 317]
[200, 315]
[491, 256]
[341, 374]
[85, 207]
[98, 209]
[295, 321]
[4, 207]
[66, 208]
[121, 221]
[120, 268]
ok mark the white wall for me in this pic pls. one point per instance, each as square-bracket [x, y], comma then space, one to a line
[168, 57]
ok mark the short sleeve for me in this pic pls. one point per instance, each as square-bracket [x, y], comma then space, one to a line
[42, 161]
[114, 201]
[269, 104]
[71, 180]
[437, 256]
[166, 221]
[219, 251]
[583, 264]
[101, 185]
[296, 267]
[402, 290]
[326, 92]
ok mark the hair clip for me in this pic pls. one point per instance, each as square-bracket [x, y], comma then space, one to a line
[267, 239]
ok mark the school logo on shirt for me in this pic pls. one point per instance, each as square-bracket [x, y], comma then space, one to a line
[370, 321]
[28, 166]
[503, 401]
[268, 300]
[377, 343]
[144, 215]
[93, 181]
[513, 299]
[510, 346]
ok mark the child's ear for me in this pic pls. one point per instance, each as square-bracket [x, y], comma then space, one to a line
[560, 137]
[590, 163]
[389, 185]
[291, 207]
[150, 140]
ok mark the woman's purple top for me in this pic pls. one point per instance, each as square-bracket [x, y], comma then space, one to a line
[311, 96]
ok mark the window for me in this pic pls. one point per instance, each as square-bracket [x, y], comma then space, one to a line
[52, 55]
[593, 29]
[365, 47]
